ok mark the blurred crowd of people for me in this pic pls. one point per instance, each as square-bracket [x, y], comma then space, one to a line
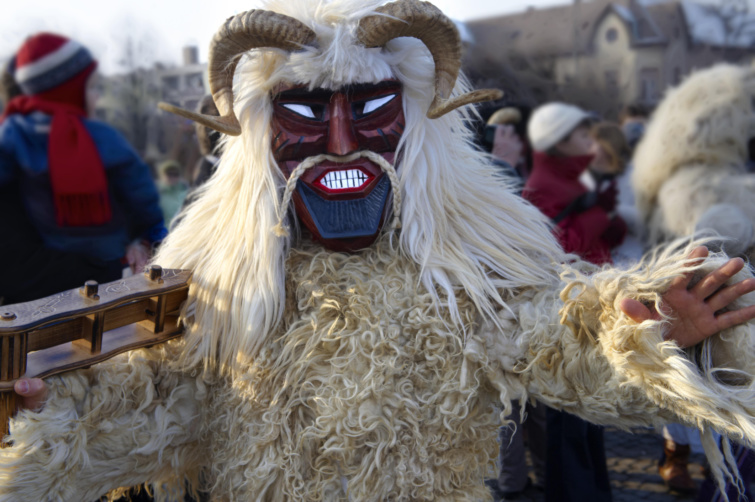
[78, 203]
[578, 169]
[76, 198]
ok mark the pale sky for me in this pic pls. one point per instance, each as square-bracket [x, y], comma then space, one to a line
[162, 27]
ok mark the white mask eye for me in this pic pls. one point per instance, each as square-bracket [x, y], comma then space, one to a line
[373, 104]
[303, 110]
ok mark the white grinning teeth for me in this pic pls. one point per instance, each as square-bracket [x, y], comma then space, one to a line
[341, 180]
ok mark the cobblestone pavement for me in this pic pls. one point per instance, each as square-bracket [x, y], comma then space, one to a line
[633, 466]
[632, 460]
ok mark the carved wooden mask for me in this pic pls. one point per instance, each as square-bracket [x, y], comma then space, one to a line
[342, 204]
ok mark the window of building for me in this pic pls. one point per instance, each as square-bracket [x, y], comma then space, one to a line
[170, 83]
[191, 104]
[649, 88]
[611, 79]
[612, 34]
[194, 81]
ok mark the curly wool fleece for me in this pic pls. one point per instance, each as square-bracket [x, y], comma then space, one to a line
[363, 389]
[358, 396]
[367, 392]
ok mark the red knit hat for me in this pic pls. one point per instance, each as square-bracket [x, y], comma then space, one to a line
[46, 61]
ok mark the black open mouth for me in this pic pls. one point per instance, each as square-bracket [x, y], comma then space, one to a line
[349, 218]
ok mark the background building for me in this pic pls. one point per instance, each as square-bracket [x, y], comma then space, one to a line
[603, 54]
[184, 85]
[129, 101]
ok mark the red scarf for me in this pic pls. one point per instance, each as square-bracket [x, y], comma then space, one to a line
[77, 176]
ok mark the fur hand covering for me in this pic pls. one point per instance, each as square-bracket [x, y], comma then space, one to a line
[368, 393]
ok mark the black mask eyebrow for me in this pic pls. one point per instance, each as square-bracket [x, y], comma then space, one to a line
[320, 94]
[350, 90]
[304, 93]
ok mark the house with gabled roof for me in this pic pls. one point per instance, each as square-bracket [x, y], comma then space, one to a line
[613, 52]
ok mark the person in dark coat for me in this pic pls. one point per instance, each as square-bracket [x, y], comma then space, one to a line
[586, 225]
[80, 201]
[31, 270]
[208, 140]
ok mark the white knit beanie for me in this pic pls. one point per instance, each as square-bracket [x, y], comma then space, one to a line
[552, 123]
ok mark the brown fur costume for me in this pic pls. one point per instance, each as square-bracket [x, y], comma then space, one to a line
[309, 374]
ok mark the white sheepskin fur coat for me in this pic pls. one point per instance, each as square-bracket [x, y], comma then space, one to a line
[365, 392]
[690, 167]
[312, 375]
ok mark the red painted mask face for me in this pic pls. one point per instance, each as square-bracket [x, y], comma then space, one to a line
[343, 204]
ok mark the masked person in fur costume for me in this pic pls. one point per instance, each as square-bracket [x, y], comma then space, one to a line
[355, 345]
[691, 168]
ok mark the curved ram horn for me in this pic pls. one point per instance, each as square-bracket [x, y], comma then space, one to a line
[246, 31]
[422, 20]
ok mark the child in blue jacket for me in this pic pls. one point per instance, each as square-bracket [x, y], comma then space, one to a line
[83, 188]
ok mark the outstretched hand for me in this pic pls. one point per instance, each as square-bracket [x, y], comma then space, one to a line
[696, 311]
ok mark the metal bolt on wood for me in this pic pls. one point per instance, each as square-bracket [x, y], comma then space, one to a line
[155, 273]
[7, 316]
[90, 289]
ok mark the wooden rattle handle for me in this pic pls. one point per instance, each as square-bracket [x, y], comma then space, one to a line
[8, 404]
[80, 327]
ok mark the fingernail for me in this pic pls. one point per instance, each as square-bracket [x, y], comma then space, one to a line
[23, 386]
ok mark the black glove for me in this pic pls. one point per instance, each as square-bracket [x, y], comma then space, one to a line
[607, 198]
[614, 234]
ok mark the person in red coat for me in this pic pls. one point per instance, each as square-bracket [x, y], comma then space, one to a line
[585, 221]
[585, 224]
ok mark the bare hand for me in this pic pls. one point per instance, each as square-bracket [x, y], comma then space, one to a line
[137, 255]
[506, 145]
[32, 391]
[696, 310]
